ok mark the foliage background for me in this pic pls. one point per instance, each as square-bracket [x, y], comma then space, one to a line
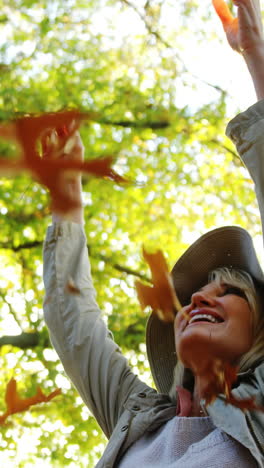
[163, 83]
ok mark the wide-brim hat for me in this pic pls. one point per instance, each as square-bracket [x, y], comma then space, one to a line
[228, 246]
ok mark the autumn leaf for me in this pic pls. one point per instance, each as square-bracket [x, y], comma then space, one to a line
[161, 296]
[30, 133]
[71, 287]
[224, 13]
[16, 404]
[222, 378]
[229, 23]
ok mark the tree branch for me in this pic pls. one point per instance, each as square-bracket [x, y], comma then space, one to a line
[105, 258]
[226, 148]
[17, 248]
[155, 125]
[160, 39]
[10, 308]
[122, 268]
[25, 340]
[149, 28]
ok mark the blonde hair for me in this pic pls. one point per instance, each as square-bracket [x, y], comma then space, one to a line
[242, 280]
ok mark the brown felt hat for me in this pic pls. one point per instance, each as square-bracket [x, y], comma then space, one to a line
[228, 246]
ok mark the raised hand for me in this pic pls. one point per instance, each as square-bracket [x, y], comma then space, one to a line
[245, 32]
[64, 144]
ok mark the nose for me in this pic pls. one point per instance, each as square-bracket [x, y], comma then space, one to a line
[201, 298]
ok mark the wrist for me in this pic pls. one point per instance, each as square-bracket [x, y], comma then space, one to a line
[254, 59]
[253, 51]
[74, 216]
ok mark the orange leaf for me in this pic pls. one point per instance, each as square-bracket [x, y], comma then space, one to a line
[230, 24]
[71, 287]
[161, 297]
[15, 404]
[222, 377]
[223, 11]
[30, 130]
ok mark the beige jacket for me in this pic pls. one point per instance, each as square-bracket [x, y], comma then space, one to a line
[123, 405]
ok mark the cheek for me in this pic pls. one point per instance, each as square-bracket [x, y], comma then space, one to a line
[247, 333]
[242, 327]
[244, 318]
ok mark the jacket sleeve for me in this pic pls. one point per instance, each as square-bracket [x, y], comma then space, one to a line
[246, 130]
[85, 346]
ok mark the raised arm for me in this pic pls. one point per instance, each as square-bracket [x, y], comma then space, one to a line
[245, 35]
[90, 357]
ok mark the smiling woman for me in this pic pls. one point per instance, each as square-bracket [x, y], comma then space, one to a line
[221, 323]
[254, 295]
[229, 295]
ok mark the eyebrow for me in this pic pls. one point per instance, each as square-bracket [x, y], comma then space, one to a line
[203, 287]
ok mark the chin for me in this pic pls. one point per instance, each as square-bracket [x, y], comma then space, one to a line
[196, 348]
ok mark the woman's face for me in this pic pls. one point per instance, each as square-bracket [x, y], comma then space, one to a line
[217, 324]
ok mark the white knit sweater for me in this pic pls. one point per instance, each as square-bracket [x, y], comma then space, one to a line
[187, 443]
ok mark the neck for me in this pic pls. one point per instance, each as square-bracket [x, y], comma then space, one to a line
[201, 382]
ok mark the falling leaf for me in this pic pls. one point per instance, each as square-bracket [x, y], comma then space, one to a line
[161, 296]
[33, 131]
[16, 404]
[222, 378]
[71, 287]
[229, 23]
[223, 11]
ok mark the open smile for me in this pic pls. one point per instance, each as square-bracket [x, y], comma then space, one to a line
[204, 315]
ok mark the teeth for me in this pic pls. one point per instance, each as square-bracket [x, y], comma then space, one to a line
[210, 318]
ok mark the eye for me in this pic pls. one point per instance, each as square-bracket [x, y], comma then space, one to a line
[229, 289]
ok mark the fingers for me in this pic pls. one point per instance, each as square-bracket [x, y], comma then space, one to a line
[62, 142]
[245, 32]
[250, 13]
[49, 142]
[223, 11]
[74, 147]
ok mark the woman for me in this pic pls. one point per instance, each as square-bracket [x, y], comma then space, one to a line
[221, 321]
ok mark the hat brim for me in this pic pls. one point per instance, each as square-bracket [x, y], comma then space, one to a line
[229, 246]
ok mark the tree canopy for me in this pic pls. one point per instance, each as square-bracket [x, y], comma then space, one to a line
[130, 63]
